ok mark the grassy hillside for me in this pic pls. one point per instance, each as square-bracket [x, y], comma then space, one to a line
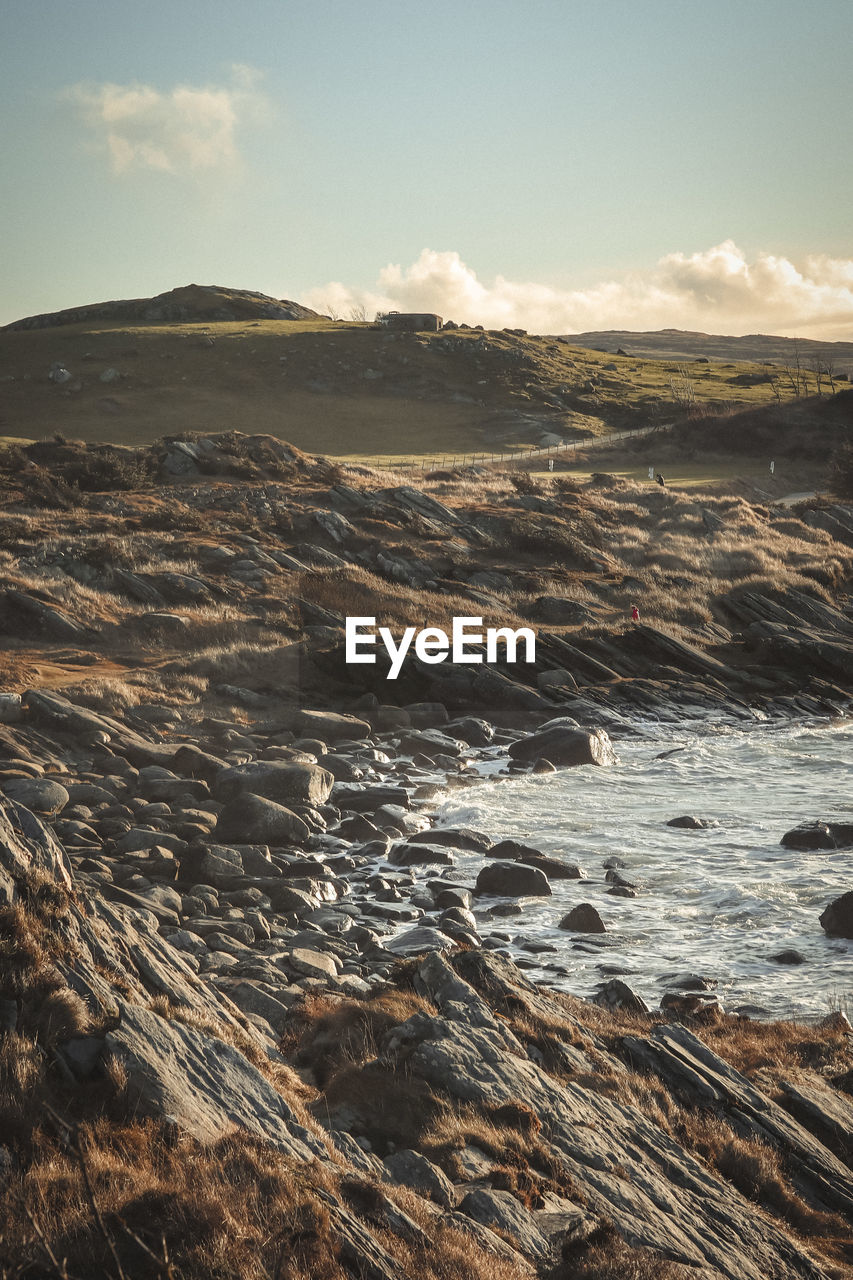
[344, 389]
[684, 344]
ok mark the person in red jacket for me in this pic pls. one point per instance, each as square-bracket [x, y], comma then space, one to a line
[635, 613]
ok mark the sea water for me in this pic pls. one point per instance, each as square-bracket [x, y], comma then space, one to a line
[717, 903]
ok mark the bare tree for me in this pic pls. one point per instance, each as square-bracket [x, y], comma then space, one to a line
[824, 367]
[358, 313]
[795, 374]
[775, 387]
[683, 389]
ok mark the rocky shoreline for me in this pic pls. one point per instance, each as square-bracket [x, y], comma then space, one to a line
[232, 938]
[222, 893]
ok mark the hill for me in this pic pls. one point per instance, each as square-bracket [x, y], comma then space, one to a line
[191, 302]
[683, 344]
[210, 359]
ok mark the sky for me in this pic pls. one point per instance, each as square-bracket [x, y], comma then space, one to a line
[550, 164]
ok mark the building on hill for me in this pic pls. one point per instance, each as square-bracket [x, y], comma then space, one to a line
[414, 321]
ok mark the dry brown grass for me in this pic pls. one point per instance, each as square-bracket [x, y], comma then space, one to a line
[757, 1169]
[605, 1255]
[359, 592]
[238, 1208]
[780, 1049]
[327, 1034]
[603, 540]
[106, 694]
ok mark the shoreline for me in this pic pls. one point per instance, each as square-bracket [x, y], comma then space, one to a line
[209, 852]
[501, 769]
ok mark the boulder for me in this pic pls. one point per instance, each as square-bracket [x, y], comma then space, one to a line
[616, 994]
[512, 880]
[253, 819]
[515, 851]
[583, 919]
[492, 688]
[430, 742]
[558, 678]
[500, 1211]
[473, 730]
[819, 835]
[512, 850]
[691, 823]
[331, 726]
[453, 838]
[416, 855]
[411, 1169]
[789, 956]
[41, 795]
[560, 611]
[313, 964]
[366, 799]
[289, 782]
[414, 941]
[565, 747]
[47, 619]
[426, 715]
[837, 918]
[554, 868]
[11, 710]
[543, 766]
[190, 762]
[251, 997]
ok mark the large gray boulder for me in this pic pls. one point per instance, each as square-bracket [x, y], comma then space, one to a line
[47, 619]
[566, 747]
[837, 918]
[330, 726]
[512, 880]
[819, 835]
[583, 919]
[253, 819]
[41, 795]
[286, 782]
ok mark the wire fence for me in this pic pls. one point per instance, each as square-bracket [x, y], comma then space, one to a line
[518, 457]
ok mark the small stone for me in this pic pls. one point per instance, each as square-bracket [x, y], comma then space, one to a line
[543, 766]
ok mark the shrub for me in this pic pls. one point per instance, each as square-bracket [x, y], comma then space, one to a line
[109, 469]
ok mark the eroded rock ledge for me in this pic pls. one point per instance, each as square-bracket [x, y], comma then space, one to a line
[451, 1119]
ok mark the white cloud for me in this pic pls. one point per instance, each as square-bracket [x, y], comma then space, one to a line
[717, 290]
[187, 129]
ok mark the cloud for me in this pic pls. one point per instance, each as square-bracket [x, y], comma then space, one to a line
[187, 129]
[717, 290]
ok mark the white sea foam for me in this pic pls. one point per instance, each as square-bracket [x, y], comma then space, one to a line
[718, 903]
